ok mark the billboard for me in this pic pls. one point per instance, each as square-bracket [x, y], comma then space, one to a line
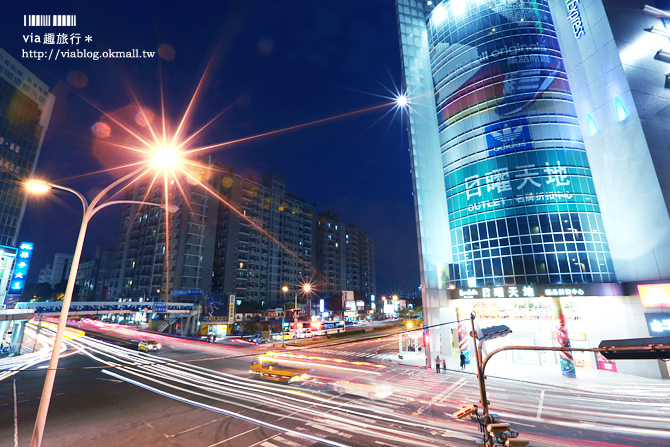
[654, 295]
[18, 280]
[513, 156]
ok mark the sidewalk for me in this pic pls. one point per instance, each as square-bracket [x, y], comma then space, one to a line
[587, 379]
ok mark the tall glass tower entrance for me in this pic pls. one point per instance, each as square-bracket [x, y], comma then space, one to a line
[522, 207]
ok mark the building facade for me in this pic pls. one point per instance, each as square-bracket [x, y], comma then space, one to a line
[344, 260]
[231, 236]
[56, 272]
[148, 266]
[25, 111]
[551, 159]
[93, 275]
[264, 239]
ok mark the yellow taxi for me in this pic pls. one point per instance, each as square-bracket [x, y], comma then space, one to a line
[149, 346]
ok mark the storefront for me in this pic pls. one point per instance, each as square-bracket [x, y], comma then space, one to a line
[531, 312]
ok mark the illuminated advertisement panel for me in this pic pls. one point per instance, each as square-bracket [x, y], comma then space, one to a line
[21, 268]
[654, 295]
[521, 200]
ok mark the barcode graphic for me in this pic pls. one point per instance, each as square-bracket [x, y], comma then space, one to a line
[50, 20]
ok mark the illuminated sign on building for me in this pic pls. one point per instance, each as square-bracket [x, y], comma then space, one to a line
[21, 268]
[186, 292]
[575, 17]
[658, 324]
[531, 291]
[17, 75]
[231, 308]
[654, 295]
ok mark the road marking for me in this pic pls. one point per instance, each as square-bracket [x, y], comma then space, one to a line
[233, 437]
[16, 419]
[110, 380]
[539, 408]
[287, 442]
[194, 428]
[521, 423]
[442, 396]
[322, 427]
[223, 410]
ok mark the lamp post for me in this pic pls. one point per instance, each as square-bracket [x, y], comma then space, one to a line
[306, 289]
[284, 289]
[89, 212]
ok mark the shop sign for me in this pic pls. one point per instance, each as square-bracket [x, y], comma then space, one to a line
[604, 363]
[521, 291]
[654, 295]
[658, 324]
[231, 308]
[186, 292]
[209, 319]
[575, 17]
[468, 293]
[23, 256]
[21, 78]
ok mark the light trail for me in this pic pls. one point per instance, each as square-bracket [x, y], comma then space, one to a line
[286, 129]
[202, 386]
[221, 387]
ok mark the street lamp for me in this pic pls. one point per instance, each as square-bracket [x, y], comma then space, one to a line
[284, 289]
[306, 289]
[39, 186]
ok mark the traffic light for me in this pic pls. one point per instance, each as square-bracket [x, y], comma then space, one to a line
[465, 410]
[647, 348]
[497, 428]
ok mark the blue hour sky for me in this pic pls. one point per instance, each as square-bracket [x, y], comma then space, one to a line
[272, 65]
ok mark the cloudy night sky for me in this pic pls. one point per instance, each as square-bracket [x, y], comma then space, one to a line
[272, 65]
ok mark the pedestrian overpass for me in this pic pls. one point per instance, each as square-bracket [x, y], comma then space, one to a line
[87, 308]
[13, 321]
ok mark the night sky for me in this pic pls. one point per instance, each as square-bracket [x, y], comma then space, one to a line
[272, 65]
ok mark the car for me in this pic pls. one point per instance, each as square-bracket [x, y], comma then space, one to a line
[149, 346]
[267, 368]
[282, 336]
[363, 388]
[305, 333]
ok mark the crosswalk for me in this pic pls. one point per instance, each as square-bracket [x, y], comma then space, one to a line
[365, 355]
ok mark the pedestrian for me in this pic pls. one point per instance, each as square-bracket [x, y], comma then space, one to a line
[444, 365]
[437, 364]
[462, 361]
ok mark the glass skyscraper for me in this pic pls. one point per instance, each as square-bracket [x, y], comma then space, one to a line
[25, 110]
[522, 208]
[535, 234]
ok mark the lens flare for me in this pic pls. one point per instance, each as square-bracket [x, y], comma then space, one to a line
[101, 130]
[166, 158]
[166, 52]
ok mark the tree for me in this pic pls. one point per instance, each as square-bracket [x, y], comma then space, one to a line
[249, 327]
[38, 292]
[59, 291]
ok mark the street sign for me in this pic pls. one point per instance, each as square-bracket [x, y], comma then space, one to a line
[186, 292]
[159, 308]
